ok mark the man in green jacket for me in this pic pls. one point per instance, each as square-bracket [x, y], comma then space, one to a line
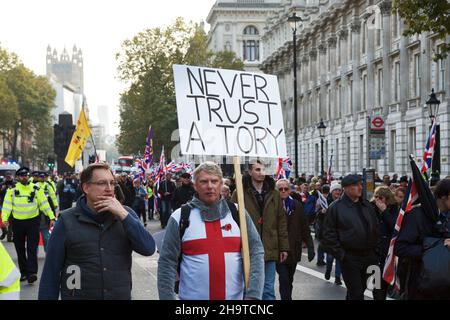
[265, 207]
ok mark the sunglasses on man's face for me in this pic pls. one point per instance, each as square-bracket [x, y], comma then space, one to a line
[283, 189]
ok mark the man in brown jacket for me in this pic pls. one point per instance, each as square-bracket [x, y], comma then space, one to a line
[265, 207]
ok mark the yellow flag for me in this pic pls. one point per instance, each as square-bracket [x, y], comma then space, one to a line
[79, 139]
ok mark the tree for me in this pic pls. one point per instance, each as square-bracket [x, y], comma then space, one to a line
[25, 102]
[426, 16]
[145, 63]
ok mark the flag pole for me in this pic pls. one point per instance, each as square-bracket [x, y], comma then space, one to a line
[242, 220]
[84, 103]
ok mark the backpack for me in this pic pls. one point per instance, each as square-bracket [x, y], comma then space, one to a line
[186, 212]
[184, 224]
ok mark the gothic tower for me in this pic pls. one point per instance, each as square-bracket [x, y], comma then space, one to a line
[65, 69]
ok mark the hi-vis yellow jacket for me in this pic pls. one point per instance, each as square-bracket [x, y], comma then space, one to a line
[49, 192]
[9, 277]
[24, 202]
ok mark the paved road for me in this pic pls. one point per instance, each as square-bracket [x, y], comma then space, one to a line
[309, 282]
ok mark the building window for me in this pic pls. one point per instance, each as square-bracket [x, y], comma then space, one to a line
[338, 100]
[380, 87]
[251, 50]
[350, 96]
[416, 75]
[364, 92]
[328, 103]
[392, 150]
[339, 51]
[228, 46]
[395, 26]
[361, 152]
[441, 66]
[348, 155]
[337, 154]
[397, 81]
[350, 46]
[317, 158]
[412, 141]
[251, 30]
[364, 38]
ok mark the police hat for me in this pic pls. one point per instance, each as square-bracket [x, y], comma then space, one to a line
[35, 173]
[43, 174]
[350, 179]
[23, 171]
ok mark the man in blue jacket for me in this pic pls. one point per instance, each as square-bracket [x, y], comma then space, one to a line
[89, 251]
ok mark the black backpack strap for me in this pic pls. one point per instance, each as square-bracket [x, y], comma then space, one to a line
[234, 212]
[184, 219]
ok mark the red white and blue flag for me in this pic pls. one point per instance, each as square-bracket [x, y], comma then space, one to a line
[391, 263]
[148, 153]
[284, 168]
[162, 168]
[418, 192]
[427, 158]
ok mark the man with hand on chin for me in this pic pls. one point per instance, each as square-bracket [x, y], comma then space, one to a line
[89, 251]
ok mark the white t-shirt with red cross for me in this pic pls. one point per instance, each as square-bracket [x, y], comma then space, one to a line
[211, 265]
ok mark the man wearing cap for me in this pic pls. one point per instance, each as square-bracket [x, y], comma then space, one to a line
[24, 202]
[350, 234]
[49, 192]
[184, 193]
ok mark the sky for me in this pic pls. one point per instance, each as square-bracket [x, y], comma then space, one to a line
[97, 27]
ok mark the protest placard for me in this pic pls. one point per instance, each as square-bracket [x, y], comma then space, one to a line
[228, 112]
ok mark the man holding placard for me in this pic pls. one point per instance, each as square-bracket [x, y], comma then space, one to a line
[205, 234]
[265, 206]
[239, 114]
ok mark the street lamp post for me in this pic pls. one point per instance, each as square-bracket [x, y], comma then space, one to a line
[322, 129]
[433, 109]
[293, 21]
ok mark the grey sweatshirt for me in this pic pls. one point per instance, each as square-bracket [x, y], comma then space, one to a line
[170, 252]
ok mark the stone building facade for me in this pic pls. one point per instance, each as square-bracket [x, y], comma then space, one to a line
[237, 25]
[352, 63]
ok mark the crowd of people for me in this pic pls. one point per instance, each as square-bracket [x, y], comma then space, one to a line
[102, 218]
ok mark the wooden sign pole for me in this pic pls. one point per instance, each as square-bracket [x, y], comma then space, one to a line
[242, 220]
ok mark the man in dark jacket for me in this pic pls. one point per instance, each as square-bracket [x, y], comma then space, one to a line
[416, 226]
[351, 234]
[89, 251]
[166, 189]
[184, 193]
[127, 188]
[298, 232]
[265, 207]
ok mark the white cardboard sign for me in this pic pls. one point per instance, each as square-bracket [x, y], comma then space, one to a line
[228, 112]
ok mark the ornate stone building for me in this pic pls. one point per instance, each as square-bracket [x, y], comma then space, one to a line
[353, 62]
[237, 25]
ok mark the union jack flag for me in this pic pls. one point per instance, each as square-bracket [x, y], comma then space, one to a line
[427, 158]
[417, 190]
[284, 168]
[142, 168]
[148, 153]
[162, 168]
[322, 201]
[391, 263]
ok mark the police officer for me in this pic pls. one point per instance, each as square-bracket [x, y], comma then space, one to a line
[46, 186]
[350, 234]
[9, 277]
[24, 202]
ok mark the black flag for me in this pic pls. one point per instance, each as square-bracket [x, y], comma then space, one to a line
[426, 197]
